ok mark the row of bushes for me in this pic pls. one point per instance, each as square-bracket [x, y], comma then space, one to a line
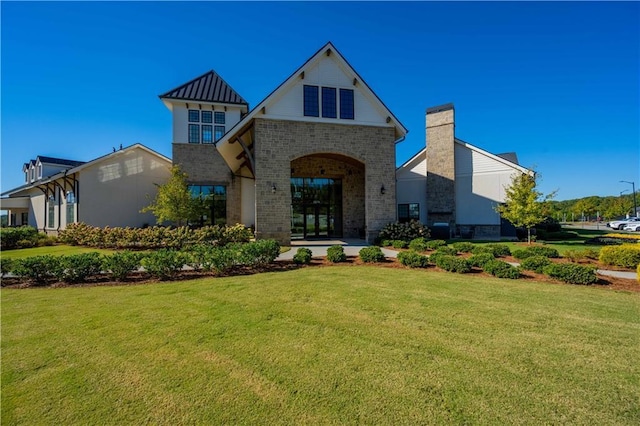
[23, 237]
[626, 255]
[336, 254]
[81, 234]
[162, 264]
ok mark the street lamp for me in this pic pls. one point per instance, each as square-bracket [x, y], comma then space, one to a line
[635, 206]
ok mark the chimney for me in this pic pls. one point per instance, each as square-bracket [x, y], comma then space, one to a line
[441, 174]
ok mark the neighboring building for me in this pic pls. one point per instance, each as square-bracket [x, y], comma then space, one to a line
[454, 184]
[107, 191]
[314, 159]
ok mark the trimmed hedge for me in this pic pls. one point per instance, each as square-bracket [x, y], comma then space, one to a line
[38, 269]
[413, 259]
[436, 244]
[76, 268]
[447, 250]
[626, 255]
[535, 263]
[453, 264]
[399, 244]
[259, 253]
[498, 250]
[419, 244]
[335, 254]
[371, 254]
[302, 256]
[23, 237]
[536, 251]
[120, 265]
[571, 273]
[501, 269]
[480, 259]
[164, 263]
[463, 246]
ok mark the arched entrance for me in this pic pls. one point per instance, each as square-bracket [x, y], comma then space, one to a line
[327, 197]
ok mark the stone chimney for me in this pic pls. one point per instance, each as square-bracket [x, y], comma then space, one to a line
[441, 174]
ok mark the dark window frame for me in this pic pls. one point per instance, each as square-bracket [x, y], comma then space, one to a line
[347, 104]
[194, 115]
[311, 101]
[408, 212]
[206, 116]
[329, 102]
[194, 133]
[219, 117]
[204, 133]
[218, 133]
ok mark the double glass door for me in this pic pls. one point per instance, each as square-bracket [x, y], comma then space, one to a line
[316, 208]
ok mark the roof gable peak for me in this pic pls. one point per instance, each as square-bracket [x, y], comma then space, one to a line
[209, 87]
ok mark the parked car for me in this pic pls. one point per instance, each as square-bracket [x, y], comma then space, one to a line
[620, 224]
[633, 226]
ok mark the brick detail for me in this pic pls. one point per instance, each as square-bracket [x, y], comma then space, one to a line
[440, 167]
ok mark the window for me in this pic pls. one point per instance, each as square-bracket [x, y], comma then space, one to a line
[26, 176]
[33, 173]
[24, 218]
[329, 107]
[219, 117]
[219, 132]
[206, 116]
[71, 207]
[346, 104]
[52, 213]
[408, 212]
[214, 199]
[194, 116]
[311, 108]
[39, 171]
[194, 133]
[207, 133]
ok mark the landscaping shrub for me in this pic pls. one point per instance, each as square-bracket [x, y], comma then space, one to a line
[479, 259]
[120, 264]
[557, 236]
[6, 265]
[259, 253]
[19, 237]
[499, 250]
[591, 253]
[38, 269]
[413, 259]
[219, 260]
[164, 263]
[418, 244]
[76, 268]
[501, 269]
[447, 250]
[399, 244]
[436, 244]
[463, 246]
[604, 241]
[571, 273]
[302, 256]
[638, 273]
[386, 243]
[335, 254]
[536, 251]
[535, 263]
[452, 263]
[371, 254]
[626, 255]
[404, 231]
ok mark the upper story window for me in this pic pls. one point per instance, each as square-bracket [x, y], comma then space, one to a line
[205, 132]
[219, 117]
[219, 133]
[329, 107]
[194, 133]
[26, 176]
[311, 101]
[39, 171]
[33, 173]
[206, 116]
[194, 116]
[346, 104]
[330, 102]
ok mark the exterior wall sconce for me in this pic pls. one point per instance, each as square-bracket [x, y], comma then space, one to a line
[382, 190]
[273, 188]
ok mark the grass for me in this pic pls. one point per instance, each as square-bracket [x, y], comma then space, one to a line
[56, 250]
[325, 345]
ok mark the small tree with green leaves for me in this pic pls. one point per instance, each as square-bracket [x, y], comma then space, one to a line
[524, 205]
[174, 202]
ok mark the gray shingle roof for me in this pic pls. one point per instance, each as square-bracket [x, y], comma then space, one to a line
[209, 87]
[59, 161]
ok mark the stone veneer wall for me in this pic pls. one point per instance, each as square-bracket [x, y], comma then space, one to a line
[352, 176]
[203, 164]
[278, 142]
[441, 204]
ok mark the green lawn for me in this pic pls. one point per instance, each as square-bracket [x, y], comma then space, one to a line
[322, 345]
[57, 250]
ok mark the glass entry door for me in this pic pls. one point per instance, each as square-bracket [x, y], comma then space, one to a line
[316, 208]
[316, 221]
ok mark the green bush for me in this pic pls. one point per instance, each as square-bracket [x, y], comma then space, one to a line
[6, 264]
[453, 264]
[479, 259]
[413, 259]
[302, 256]
[38, 269]
[638, 273]
[76, 268]
[371, 254]
[536, 251]
[436, 244]
[259, 253]
[447, 250]
[626, 255]
[335, 254]
[499, 250]
[403, 231]
[19, 237]
[535, 263]
[399, 244]
[120, 264]
[164, 263]
[419, 245]
[463, 246]
[571, 273]
[386, 243]
[501, 269]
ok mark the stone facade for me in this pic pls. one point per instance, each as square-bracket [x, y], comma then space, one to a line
[279, 142]
[441, 204]
[203, 164]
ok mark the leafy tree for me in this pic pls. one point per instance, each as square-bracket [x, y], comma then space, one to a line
[524, 205]
[174, 202]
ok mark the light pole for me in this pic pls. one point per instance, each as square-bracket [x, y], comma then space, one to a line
[633, 188]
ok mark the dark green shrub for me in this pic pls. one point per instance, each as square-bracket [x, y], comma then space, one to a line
[463, 246]
[219, 260]
[120, 264]
[404, 231]
[371, 254]
[19, 237]
[453, 264]
[571, 273]
[433, 257]
[535, 263]
[480, 259]
[38, 269]
[386, 243]
[626, 256]
[447, 250]
[399, 244]
[418, 244]
[436, 244]
[499, 250]
[259, 253]
[76, 268]
[413, 259]
[335, 254]
[558, 236]
[501, 269]
[302, 256]
[164, 263]
[6, 264]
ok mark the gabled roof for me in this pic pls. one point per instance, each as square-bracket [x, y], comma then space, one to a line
[494, 157]
[209, 87]
[58, 161]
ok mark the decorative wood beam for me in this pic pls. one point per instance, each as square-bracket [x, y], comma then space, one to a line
[251, 164]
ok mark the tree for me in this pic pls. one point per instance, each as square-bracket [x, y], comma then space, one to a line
[524, 206]
[174, 202]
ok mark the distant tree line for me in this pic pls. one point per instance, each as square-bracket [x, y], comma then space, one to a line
[588, 208]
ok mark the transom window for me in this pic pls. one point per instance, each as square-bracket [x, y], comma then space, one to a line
[408, 212]
[330, 102]
[206, 132]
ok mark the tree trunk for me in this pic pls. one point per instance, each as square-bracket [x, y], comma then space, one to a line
[528, 236]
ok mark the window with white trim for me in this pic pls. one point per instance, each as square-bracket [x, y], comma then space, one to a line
[201, 129]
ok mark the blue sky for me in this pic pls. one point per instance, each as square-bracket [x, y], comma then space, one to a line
[558, 83]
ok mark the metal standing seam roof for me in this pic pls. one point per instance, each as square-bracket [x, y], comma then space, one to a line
[209, 87]
[59, 161]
